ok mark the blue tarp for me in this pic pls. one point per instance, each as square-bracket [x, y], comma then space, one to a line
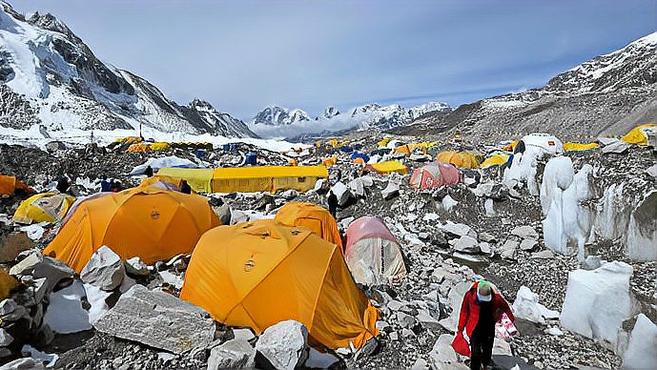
[365, 157]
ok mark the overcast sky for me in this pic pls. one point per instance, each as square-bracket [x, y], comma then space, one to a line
[243, 55]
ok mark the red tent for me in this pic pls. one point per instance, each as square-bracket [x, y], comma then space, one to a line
[435, 175]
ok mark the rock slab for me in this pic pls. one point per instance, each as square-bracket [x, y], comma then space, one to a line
[159, 320]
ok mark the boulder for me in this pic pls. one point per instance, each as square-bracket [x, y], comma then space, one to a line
[233, 354]
[443, 356]
[357, 187]
[455, 299]
[65, 314]
[508, 249]
[526, 307]
[586, 309]
[40, 266]
[283, 345]
[458, 230]
[224, 213]
[525, 232]
[159, 320]
[12, 244]
[528, 244]
[617, 147]
[23, 363]
[5, 338]
[652, 171]
[641, 352]
[104, 269]
[391, 190]
[136, 267]
[342, 192]
[289, 194]
[321, 186]
[466, 244]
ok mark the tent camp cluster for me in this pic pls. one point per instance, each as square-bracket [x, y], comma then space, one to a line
[293, 262]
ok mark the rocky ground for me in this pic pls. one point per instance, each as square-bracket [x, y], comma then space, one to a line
[449, 236]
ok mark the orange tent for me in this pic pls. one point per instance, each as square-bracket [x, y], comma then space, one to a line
[311, 216]
[149, 222]
[458, 159]
[9, 184]
[256, 274]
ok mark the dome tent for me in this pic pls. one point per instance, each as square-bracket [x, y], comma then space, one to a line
[435, 175]
[149, 222]
[458, 159]
[256, 274]
[372, 252]
[311, 216]
[640, 135]
[44, 207]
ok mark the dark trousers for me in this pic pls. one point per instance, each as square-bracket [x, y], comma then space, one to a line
[481, 346]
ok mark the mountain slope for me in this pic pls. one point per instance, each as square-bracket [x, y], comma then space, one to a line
[51, 78]
[606, 95]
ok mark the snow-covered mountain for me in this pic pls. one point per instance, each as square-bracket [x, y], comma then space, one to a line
[50, 78]
[276, 116]
[608, 94]
[274, 121]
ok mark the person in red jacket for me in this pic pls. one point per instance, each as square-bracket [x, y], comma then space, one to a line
[482, 307]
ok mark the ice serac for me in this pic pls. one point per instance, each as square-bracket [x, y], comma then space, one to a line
[641, 352]
[586, 309]
[642, 230]
[49, 77]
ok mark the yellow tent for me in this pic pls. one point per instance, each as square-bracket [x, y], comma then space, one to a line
[44, 207]
[639, 135]
[333, 143]
[7, 283]
[149, 222]
[496, 159]
[167, 182]
[311, 216]
[129, 140]
[139, 148]
[383, 142]
[329, 162]
[199, 179]
[260, 273]
[266, 178]
[388, 167]
[579, 147]
[458, 159]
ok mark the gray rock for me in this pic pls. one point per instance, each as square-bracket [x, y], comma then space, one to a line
[224, 213]
[136, 267]
[652, 170]
[159, 320]
[290, 194]
[420, 364]
[528, 244]
[11, 311]
[405, 320]
[243, 334]
[342, 192]
[508, 249]
[458, 230]
[395, 305]
[618, 147]
[487, 237]
[544, 254]
[23, 363]
[442, 355]
[592, 262]
[525, 232]
[485, 247]
[407, 333]
[427, 321]
[104, 270]
[391, 190]
[234, 354]
[284, 344]
[5, 338]
[40, 266]
[466, 244]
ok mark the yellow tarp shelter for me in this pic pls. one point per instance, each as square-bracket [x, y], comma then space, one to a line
[266, 178]
[311, 216]
[496, 159]
[199, 179]
[149, 222]
[388, 167]
[9, 184]
[168, 182]
[44, 207]
[259, 273]
[159, 146]
[579, 147]
[639, 135]
[129, 140]
[459, 159]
